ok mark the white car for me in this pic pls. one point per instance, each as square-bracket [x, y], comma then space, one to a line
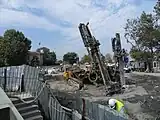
[127, 70]
[52, 71]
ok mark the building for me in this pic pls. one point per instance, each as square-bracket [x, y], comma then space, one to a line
[32, 54]
[156, 66]
[141, 66]
[137, 65]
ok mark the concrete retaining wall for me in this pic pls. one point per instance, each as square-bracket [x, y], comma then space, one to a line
[5, 102]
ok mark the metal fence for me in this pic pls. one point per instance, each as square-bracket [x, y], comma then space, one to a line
[25, 81]
[96, 111]
[50, 106]
[90, 110]
[19, 80]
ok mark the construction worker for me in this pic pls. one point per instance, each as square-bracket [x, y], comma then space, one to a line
[66, 74]
[117, 105]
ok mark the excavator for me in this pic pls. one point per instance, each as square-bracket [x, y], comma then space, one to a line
[112, 77]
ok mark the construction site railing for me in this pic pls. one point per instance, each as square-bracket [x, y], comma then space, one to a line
[19, 80]
[25, 81]
[89, 110]
[50, 106]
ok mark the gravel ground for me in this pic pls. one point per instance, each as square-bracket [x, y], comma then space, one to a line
[141, 99]
[150, 103]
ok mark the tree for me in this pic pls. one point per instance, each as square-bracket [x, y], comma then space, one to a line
[59, 62]
[14, 48]
[85, 59]
[52, 58]
[108, 58]
[35, 61]
[49, 58]
[157, 9]
[70, 57]
[143, 34]
[3, 52]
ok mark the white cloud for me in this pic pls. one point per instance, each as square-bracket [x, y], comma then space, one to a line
[24, 19]
[104, 22]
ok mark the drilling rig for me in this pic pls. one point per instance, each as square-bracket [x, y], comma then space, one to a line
[92, 46]
[112, 78]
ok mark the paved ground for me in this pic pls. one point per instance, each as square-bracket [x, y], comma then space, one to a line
[142, 99]
[143, 73]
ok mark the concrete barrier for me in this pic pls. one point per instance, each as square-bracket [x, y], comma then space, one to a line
[10, 110]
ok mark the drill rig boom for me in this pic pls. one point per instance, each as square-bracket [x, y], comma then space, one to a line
[113, 79]
[92, 46]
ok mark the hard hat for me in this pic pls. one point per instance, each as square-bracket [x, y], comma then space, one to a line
[112, 103]
[74, 64]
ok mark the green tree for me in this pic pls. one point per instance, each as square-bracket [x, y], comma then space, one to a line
[3, 51]
[35, 61]
[143, 34]
[157, 9]
[15, 47]
[58, 62]
[49, 58]
[52, 58]
[108, 58]
[70, 57]
[85, 59]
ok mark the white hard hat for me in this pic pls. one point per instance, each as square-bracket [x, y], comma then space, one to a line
[74, 64]
[112, 103]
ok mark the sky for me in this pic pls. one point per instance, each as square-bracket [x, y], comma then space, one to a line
[54, 23]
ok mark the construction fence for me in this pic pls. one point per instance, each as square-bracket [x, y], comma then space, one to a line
[19, 80]
[25, 81]
[90, 110]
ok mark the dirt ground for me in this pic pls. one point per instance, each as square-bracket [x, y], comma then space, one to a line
[142, 99]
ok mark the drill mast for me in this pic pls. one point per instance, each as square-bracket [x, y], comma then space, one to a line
[113, 79]
[119, 55]
[92, 46]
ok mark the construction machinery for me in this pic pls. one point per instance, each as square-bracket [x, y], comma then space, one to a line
[111, 77]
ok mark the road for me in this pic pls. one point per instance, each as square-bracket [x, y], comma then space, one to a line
[150, 74]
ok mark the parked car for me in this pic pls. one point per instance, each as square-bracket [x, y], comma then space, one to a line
[127, 69]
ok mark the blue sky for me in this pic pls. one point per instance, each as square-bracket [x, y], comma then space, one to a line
[54, 23]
